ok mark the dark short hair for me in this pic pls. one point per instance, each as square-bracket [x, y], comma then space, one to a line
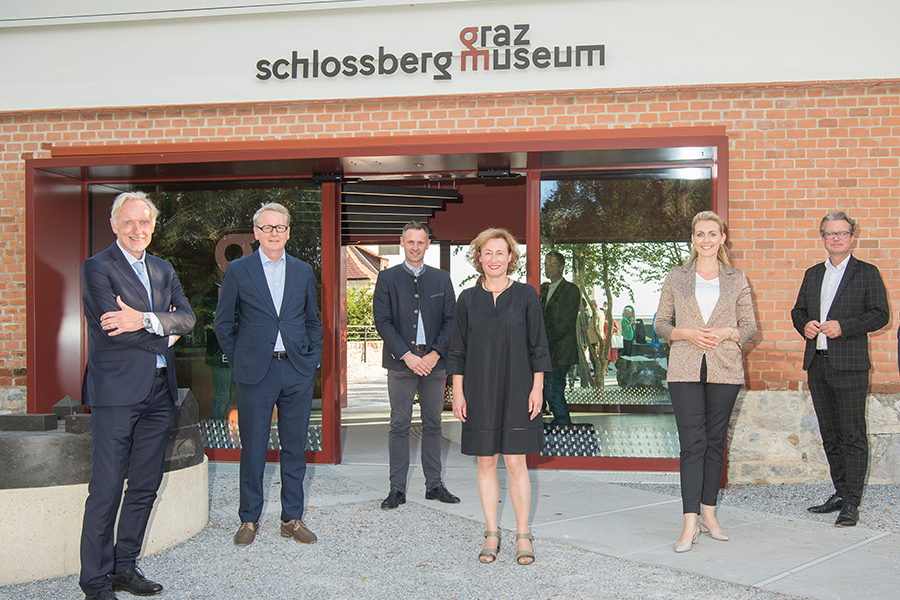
[560, 259]
[416, 225]
[837, 215]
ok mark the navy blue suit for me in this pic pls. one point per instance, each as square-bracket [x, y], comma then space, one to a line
[132, 409]
[247, 325]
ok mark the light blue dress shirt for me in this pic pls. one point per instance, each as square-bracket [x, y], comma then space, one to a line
[274, 271]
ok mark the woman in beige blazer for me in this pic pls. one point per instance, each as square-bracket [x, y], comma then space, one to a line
[706, 315]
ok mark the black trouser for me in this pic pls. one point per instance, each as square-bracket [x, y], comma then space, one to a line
[839, 398]
[702, 411]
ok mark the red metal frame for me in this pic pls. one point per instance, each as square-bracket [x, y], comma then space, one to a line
[73, 165]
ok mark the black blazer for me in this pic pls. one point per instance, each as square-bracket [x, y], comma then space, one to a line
[560, 317]
[860, 306]
[247, 323]
[120, 369]
[398, 298]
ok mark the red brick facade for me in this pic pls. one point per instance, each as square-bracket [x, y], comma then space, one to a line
[795, 152]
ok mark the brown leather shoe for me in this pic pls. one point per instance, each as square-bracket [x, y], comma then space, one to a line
[246, 534]
[297, 530]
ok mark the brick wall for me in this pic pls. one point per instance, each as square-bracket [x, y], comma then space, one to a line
[796, 152]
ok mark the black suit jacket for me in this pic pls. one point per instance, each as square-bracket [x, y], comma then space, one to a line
[560, 317]
[120, 369]
[860, 306]
[247, 323]
[398, 298]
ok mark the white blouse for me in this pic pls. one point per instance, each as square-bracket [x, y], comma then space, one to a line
[707, 293]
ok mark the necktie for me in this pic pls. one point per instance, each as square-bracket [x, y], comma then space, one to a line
[145, 279]
[142, 275]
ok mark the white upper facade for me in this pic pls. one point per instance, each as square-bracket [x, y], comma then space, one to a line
[105, 53]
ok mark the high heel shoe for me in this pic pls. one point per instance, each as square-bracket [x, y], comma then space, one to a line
[686, 546]
[489, 555]
[714, 533]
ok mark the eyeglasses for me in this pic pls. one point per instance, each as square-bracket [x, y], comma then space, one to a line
[269, 228]
[841, 235]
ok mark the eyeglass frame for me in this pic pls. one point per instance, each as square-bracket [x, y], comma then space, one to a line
[841, 235]
[270, 228]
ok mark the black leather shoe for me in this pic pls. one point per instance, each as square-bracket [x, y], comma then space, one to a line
[133, 581]
[848, 517]
[394, 499]
[832, 504]
[104, 595]
[441, 493]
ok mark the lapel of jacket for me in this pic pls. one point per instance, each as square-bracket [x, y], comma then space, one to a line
[291, 274]
[849, 272]
[121, 264]
[727, 286]
[688, 286]
[258, 277]
[156, 283]
[815, 304]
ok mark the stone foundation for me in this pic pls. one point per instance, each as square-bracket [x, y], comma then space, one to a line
[774, 438]
[13, 399]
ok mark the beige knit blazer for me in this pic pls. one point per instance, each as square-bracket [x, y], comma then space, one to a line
[678, 307]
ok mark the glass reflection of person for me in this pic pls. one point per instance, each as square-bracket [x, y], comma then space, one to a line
[627, 330]
[559, 301]
[706, 314]
[498, 356]
[223, 381]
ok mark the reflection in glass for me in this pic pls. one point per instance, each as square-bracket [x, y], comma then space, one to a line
[199, 231]
[618, 234]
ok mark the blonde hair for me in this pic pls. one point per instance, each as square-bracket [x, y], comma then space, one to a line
[708, 215]
[474, 254]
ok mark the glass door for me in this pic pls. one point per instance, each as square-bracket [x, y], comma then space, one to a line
[608, 239]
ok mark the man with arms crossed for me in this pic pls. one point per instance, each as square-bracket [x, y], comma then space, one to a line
[413, 309]
[135, 310]
[840, 302]
[267, 323]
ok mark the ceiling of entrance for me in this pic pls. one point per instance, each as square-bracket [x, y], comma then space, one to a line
[221, 167]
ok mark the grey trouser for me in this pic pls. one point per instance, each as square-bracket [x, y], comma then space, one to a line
[402, 386]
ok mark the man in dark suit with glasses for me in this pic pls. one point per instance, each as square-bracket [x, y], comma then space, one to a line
[840, 302]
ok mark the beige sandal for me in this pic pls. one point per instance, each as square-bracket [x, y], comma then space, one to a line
[489, 555]
[520, 554]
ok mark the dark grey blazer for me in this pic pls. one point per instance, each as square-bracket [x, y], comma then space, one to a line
[399, 296]
[860, 306]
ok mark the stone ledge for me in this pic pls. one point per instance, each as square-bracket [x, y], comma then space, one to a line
[774, 438]
[42, 535]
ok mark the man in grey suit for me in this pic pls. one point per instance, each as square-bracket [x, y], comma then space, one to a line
[840, 302]
[267, 323]
[135, 310]
[413, 308]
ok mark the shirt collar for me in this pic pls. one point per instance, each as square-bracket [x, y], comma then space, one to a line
[130, 257]
[268, 261]
[839, 268]
[415, 272]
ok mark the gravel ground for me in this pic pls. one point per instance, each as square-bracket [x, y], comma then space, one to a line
[880, 504]
[365, 553]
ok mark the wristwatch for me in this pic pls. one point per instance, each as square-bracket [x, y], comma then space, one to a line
[145, 321]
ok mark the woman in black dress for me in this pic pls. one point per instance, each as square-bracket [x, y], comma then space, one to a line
[498, 356]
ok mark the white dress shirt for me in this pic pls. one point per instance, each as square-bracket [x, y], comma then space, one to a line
[830, 283]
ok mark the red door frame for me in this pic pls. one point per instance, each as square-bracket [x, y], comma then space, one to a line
[55, 249]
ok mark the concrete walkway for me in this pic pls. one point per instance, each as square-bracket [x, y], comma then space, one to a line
[586, 510]
[593, 539]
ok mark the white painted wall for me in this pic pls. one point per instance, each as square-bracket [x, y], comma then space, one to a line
[184, 58]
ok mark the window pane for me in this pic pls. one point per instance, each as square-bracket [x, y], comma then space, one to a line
[613, 236]
[199, 231]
